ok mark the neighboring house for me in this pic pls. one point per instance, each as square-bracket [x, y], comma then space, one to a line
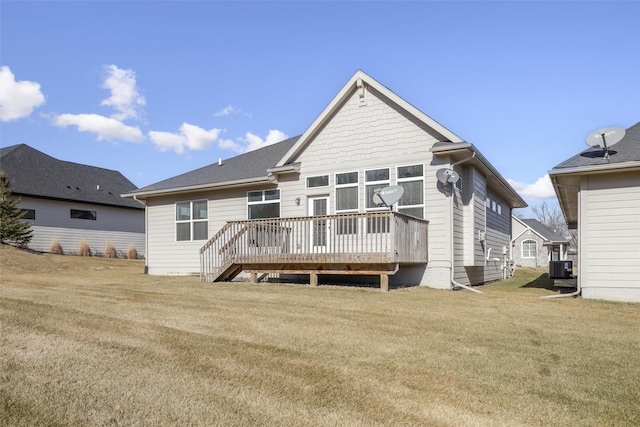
[600, 196]
[70, 202]
[308, 205]
[534, 244]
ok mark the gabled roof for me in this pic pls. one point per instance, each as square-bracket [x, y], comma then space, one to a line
[35, 174]
[547, 234]
[565, 177]
[358, 81]
[247, 168]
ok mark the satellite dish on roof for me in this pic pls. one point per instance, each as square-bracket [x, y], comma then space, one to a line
[605, 138]
[388, 196]
[447, 176]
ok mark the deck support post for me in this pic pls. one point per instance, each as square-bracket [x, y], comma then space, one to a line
[384, 282]
[313, 279]
[253, 277]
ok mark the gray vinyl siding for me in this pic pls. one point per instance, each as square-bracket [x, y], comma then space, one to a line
[498, 238]
[121, 227]
[610, 236]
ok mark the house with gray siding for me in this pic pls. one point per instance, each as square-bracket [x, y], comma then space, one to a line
[70, 203]
[599, 194]
[311, 206]
[534, 244]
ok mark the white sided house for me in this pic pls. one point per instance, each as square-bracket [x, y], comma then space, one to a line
[307, 207]
[534, 244]
[599, 194]
[71, 203]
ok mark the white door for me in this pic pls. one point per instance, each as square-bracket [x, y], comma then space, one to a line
[319, 206]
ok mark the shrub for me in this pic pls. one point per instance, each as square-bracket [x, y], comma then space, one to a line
[56, 248]
[85, 250]
[133, 253]
[110, 251]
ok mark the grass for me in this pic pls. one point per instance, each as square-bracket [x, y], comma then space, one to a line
[93, 341]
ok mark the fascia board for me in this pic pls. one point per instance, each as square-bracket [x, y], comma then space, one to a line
[201, 187]
[610, 167]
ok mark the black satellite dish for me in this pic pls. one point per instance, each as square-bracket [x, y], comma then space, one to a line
[605, 138]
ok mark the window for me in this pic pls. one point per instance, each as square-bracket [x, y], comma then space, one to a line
[192, 220]
[375, 180]
[411, 178]
[29, 214]
[347, 192]
[318, 181]
[80, 214]
[499, 209]
[529, 249]
[263, 204]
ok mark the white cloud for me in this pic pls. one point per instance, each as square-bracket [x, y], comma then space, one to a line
[541, 189]
[190, 137]
[226, 111]
[17, 98]
[229, 144]
[255, 142]
[125, 97]
[103, 127]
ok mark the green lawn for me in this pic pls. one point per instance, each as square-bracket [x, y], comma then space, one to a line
[90, 341]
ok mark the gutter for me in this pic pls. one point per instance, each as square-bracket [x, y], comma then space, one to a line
[595, 168]
[200, 187]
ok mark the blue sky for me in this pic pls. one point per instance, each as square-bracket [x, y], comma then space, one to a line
[157, 88]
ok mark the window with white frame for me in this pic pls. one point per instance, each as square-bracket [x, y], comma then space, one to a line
[263, 204]
[347, 201]
[375, 180]
[411, 178]
[347, 192]
[192, 220]
[529, 249]
[318, 181]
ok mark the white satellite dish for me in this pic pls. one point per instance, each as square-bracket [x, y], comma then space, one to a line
[388, 196]
[447, 176]
[605, 138]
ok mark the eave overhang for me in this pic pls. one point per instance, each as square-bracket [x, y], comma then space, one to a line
[142, 195]
[461, 150]
[566, 183]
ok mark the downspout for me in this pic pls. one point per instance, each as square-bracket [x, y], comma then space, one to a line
[452, 269]
[146, 234]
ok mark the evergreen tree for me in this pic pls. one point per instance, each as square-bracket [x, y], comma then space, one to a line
[12, 230]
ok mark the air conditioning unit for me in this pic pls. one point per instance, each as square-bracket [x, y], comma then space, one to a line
[560, 269]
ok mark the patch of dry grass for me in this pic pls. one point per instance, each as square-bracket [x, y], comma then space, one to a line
[94, 341]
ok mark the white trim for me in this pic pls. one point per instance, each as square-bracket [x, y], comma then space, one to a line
[347, 90]
[350, 185]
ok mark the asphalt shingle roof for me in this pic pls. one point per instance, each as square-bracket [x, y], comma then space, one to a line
[253, 164]
[35, 174]
[546, 233]
[627, 150]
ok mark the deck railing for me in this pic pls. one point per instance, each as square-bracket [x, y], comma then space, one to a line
[368, 238]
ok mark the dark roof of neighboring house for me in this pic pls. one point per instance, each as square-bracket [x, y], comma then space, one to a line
[546, 233]
[627, 150]
[35, 174]
[253, 164]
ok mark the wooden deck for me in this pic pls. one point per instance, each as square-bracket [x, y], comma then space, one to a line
[371, 243]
